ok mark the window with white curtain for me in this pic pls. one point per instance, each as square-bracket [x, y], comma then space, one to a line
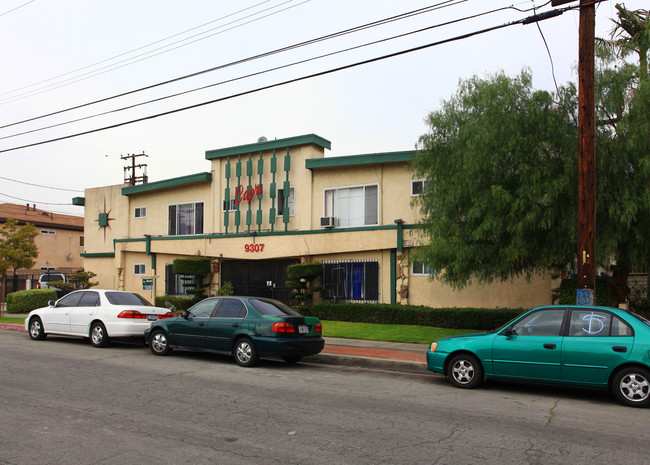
[353, 206]
[185, 219]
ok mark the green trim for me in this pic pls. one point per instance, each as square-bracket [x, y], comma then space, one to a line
[79, 201]
[99, 255]
[393, 277]
[270, 145]
[353, 160]
[167, 183]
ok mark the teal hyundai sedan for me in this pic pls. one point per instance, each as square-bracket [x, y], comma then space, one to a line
[245, 327]
[597, 347]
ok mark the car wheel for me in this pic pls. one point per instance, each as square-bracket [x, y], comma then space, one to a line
[292, 358]
[631, 386]
[158, 343]
[98, 335]
[36, 331]
[245, 353]
[465, 371]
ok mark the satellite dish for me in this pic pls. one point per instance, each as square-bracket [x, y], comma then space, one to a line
[262, 139]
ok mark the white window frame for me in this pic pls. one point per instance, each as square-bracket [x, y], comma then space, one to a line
[414, 182]
[334, 210]
[139, 269]
[292, 201]
[139, 212]
[233, 206]
[426, 271]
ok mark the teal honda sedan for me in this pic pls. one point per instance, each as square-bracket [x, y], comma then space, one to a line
[246, 328]
[584, 346]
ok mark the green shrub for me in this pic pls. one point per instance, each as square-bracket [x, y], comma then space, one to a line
[26, 301]
[453, 318]
[569, 291]
[308, 271]
[179, 303]
[196, 266]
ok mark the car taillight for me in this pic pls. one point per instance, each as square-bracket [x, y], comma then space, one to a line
[283, 327]
[166, 315]
[319, 327]
[132, 314]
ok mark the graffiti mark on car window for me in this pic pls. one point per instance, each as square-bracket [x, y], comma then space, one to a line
[596, 323]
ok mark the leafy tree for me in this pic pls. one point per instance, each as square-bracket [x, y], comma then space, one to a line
[17, 250]
[502, 163]
[78, 280]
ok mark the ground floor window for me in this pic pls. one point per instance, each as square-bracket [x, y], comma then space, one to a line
[351, 281]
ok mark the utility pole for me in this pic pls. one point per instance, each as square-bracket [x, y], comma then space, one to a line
[132, 179]
[586, 294]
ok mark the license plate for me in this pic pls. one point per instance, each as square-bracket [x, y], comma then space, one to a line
[303, 329]
[152, 317]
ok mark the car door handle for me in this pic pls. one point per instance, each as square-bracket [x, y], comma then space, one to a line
[619, 349]
[550, 346]
[202, 323]
[235, 325]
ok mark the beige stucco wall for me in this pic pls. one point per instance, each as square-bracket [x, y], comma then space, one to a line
[60, 250]
[303, 239]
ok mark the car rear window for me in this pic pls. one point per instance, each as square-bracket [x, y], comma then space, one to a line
[126, 298]
[51, 277]
[272, 307]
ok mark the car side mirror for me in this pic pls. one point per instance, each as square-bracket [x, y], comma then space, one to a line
[509, 331]
[185, 314]
[51, 303]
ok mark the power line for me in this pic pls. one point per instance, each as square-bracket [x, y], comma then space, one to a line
[439, 5]
[14, 9]
[114, 66]
[253, 74]
[528, 20]
[39, 185]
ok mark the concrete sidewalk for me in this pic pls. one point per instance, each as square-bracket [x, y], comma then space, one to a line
[380, 355]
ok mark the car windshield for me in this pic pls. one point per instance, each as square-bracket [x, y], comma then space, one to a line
[126, 298]
[272, 307]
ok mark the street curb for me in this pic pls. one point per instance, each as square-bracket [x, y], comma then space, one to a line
[12, 326]
[401, 366]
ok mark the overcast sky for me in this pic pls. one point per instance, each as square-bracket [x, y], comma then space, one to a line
[64, 53]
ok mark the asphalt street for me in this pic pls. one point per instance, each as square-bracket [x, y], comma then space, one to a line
[66, 402]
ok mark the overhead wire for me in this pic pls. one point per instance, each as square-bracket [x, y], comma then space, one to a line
[40, 185]
[409, 14]
[523, 21]
[16, 8]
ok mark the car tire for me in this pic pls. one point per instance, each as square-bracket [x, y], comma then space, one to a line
[245, 353]
[159, 343]
[292, 358]
[98, 335]
[465, 371]
[36, 331]
[631, 386]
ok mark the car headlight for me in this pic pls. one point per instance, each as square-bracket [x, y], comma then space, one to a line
[433, 346]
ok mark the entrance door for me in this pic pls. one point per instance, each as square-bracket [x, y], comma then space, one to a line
[265, 278]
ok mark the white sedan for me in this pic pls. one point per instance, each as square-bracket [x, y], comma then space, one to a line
[96, 314]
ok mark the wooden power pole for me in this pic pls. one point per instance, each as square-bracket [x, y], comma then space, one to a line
[586, 294]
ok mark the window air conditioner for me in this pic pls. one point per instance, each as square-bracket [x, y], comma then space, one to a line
[327, 222]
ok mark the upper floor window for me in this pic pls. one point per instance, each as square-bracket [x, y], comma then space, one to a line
[418, 186]
[186, 218]
[353, 206]
[230, 206]
[140, 212]
[282, 202]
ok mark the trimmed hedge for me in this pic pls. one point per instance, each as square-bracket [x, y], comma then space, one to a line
[453, 318]
[569, 291]
[181, 303]
[196, 266]
[26, 301]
